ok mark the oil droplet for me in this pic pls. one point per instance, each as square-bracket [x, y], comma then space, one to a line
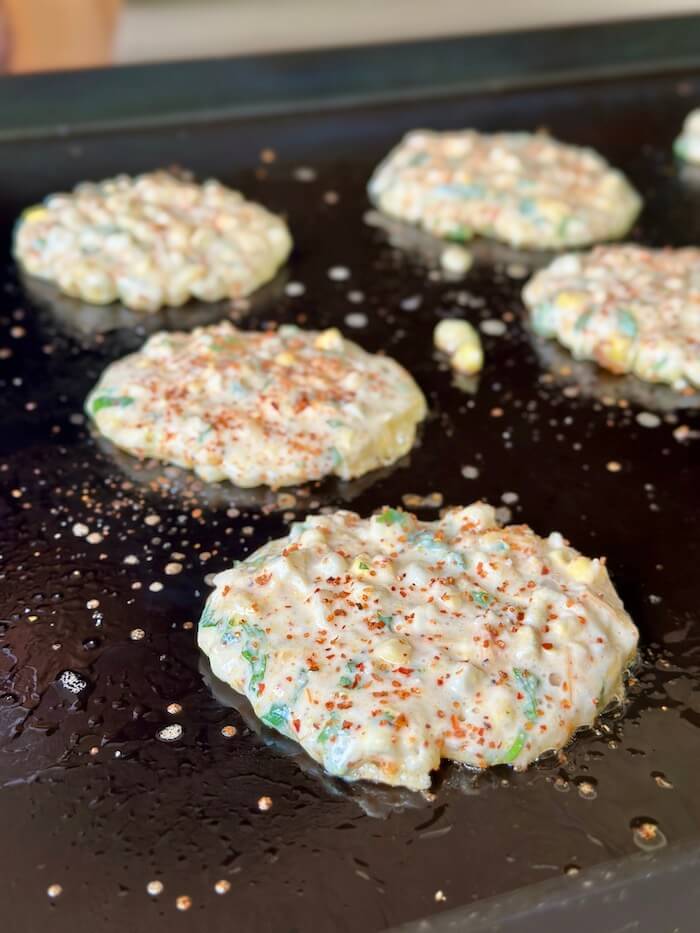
[229, 731]
[661, 780]
[223, 886]
[265, 803]
[648, 419]
[170, 733]
[183, 902]
[646, 834]
[54, 890]
[587, 789]
[72, 682]
[154, 888]
[571, 869]
[136, 634]
[174, 709]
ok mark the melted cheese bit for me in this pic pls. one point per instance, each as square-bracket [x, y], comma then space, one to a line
[524, 189]
[384, 645]
[274, 408]
[628, 308]
[150, 241]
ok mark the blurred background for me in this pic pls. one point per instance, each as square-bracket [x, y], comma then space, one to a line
[41, 35]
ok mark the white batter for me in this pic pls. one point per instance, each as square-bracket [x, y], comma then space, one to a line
[525, 189]
[631, 309]
[384, 645]
[274, 408]
[151, 241]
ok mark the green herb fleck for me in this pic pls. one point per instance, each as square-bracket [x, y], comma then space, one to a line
[514, 750]
[627, 322]
[329, 731]
[530, 685]
[482, 598]
[350, 680]
[391, 517]
[254, 638]
[258, 665]
[582, 320]
[114, 401]
[208, 619]
[543, 317]
[563, 226]
[388, 621]
[460, 234]
[277, 716]
[680, 148]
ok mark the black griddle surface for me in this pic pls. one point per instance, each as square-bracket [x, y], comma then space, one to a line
[90, 798]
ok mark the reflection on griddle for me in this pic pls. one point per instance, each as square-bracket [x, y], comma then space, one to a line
[82, 320]
[427, 248]
[594, 382]
[170, 480]
[376, 800]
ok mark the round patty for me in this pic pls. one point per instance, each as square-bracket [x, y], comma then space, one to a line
[151, 241]
[385, 644]
[274, 408]
[525, 189]
[631, 309]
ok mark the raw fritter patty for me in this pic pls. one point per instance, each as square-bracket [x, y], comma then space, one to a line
[687, 145]
[384, 645]
[525, 189]
[273, 408]
[631, 309]
[150, 241]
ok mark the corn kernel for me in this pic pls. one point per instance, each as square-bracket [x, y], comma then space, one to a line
[571, 301]
[617, 353]
[330, 339]
[34, 213]
[450, 334]
[361, 566]
[468, 359]
[455, 260]
[393, 651]
[581, 569]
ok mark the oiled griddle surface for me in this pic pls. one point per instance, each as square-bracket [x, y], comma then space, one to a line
[90, 798]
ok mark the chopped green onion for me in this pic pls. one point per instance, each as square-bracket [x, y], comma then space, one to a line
[391, 517]
[107, 401]
[277, 716]
[530, 685]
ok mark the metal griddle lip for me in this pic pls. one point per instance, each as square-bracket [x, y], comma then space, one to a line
[653, 889]
[36, 106]
[150, 96]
